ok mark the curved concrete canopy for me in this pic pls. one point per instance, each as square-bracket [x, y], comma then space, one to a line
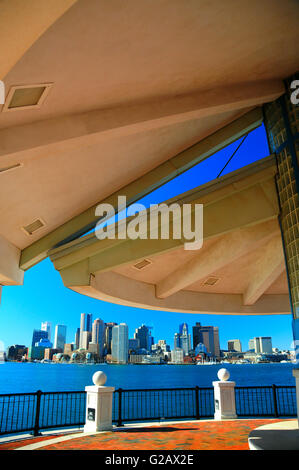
[242, 251]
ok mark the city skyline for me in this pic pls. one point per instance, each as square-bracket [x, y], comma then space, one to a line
[252, 329]
[96, 344]
[91, 326]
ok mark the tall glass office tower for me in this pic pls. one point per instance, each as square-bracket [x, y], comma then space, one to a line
[143, 334]
[60, 337]
[85, 325]
[47, 326]
[98, 334]
[108, 336]
[120, 343]
[207, 335]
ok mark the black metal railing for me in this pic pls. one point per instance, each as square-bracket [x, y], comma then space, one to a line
[17, 412]
[275, 400]
[22, 412]
[162, 404]
[33, 412]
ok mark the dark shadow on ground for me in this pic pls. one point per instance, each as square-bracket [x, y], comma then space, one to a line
[154, 429]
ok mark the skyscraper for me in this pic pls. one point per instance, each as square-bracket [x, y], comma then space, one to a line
[77, 339]
[38, 335]
[142, 333]
[266, 344]
[182, 340]
[47, 326]
[120, 343]
[197, 337]
[108, 336]
[183, 328]
[151, 341]
[263, 344]
[210, 335]
[207, 335]
[85, 340]
[177, 341]
[85, 325]
[82, 322]
[216, 342]
[234, 345]
[60, 337]
[88, 325]
[185, 339]
[134, 345]
[98, 334]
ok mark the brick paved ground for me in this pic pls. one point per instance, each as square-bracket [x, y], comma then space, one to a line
[202, 435]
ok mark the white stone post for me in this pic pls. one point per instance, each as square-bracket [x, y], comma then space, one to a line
[296, 375]
[224, 393]
[98, 405]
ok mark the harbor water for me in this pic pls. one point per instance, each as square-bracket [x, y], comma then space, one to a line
[30, 377]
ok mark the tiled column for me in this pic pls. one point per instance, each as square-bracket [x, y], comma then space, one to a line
[282, 125]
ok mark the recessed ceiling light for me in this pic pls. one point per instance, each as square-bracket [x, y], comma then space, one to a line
[33, 227]
[22, 97]
[142, 264]
[211, 281]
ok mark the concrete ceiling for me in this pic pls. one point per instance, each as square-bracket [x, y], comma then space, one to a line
[103, 54]
[233, 276]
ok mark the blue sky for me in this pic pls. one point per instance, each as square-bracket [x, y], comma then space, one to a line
[43, 296]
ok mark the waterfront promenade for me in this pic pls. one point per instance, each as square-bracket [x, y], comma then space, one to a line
[150, 419]
[202, 435]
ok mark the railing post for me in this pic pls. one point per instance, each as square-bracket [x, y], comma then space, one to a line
[197, 402]
[224, 396]
[296, 375]
[99, 401]
[37, 412]
[119, 421]
[275, 401]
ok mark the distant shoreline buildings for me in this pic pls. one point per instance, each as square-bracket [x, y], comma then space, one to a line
[97, 341]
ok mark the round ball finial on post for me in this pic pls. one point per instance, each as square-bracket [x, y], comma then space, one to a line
[99, 378]
[223, 375]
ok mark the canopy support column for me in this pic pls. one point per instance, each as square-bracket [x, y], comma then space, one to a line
[282, 125]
